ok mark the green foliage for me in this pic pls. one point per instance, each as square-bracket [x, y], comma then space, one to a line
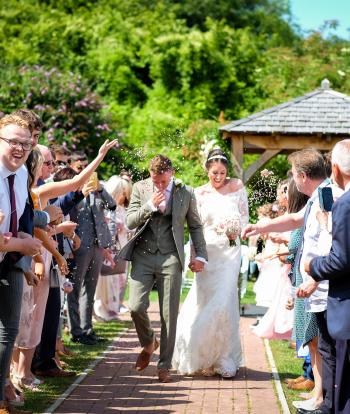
[266, 17]
[262, 190]
[72, 113]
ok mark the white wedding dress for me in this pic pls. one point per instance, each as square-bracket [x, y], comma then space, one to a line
[208, 324]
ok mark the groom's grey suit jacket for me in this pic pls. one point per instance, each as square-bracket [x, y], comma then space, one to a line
[183, 209]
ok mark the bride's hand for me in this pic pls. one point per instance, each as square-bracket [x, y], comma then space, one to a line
[196, 266]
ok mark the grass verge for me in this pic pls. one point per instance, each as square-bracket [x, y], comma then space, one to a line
[38, 401]
[249, 297]
[288, 366]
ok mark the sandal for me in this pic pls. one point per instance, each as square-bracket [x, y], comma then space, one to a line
[12, 395]
[24, 383]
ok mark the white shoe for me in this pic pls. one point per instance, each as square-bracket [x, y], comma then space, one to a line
[228, 374]
[123, 309]
[308, 405]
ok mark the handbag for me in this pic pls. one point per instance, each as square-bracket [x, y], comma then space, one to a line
[54, 277]
[54, 274]
[119, 263]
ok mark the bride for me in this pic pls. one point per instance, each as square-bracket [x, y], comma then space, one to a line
[208, 339]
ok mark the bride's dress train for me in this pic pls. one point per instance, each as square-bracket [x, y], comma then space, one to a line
[208, 325]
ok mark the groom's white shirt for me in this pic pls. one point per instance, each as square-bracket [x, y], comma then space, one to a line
[167, 194]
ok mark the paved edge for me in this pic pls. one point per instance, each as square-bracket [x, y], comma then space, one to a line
[53, 407]
[276, 378]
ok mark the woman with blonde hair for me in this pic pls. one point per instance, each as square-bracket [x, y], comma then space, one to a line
[110, 289]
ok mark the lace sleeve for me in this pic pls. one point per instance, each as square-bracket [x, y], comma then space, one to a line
[243, 207]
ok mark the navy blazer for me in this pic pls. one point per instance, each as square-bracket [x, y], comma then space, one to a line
[66, 203]
[336, 266]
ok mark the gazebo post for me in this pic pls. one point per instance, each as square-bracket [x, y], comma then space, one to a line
[237, 155]
[262, 160]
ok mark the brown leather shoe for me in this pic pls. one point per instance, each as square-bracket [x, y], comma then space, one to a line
[55, 372]
[144, 358]
[13, 410]
[294, 380]
[306, 385]
[164, 375]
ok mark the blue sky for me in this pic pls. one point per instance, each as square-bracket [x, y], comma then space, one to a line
[310, 14]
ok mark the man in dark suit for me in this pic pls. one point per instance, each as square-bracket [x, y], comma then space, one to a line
[336, 268]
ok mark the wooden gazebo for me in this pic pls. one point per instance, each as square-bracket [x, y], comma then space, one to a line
[318, 119]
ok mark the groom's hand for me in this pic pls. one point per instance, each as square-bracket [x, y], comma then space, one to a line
[196, 265]
[157, 198]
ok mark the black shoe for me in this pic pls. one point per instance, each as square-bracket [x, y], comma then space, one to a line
[83, 339]
[316, 411]
[95, 338]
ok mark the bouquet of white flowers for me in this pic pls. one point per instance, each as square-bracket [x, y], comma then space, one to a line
[231, 227]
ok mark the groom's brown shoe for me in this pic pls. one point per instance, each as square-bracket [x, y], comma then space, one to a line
[164, 375]
[145, 357]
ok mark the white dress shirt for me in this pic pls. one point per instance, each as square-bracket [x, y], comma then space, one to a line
[21, 194]
[314, 245]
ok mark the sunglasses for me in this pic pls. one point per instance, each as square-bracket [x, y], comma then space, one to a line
[49, 163]
[61, 163]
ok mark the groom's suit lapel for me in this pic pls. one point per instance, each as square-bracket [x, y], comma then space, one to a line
[147, 191]
[177, 201]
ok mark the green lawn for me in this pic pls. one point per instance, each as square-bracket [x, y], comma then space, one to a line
[249, 297]
[288, 366]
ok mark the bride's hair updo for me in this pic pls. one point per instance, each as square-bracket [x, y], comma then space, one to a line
[216, 155]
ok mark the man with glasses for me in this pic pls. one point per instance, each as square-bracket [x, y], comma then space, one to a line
[15, 146]
[48, 164]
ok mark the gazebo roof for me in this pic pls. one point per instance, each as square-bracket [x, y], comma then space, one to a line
[323, 111]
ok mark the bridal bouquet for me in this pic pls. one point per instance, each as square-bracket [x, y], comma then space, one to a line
[231, 227]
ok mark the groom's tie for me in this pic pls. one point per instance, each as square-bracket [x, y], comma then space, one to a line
[162, 205]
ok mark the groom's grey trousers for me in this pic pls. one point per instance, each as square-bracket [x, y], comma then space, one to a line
[166, 270]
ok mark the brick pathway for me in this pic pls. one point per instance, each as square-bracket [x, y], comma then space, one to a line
[115, 387]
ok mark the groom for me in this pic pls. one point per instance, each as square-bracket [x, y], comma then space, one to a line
[158, 209]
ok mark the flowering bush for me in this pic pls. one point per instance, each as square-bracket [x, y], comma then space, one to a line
[73, 115]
